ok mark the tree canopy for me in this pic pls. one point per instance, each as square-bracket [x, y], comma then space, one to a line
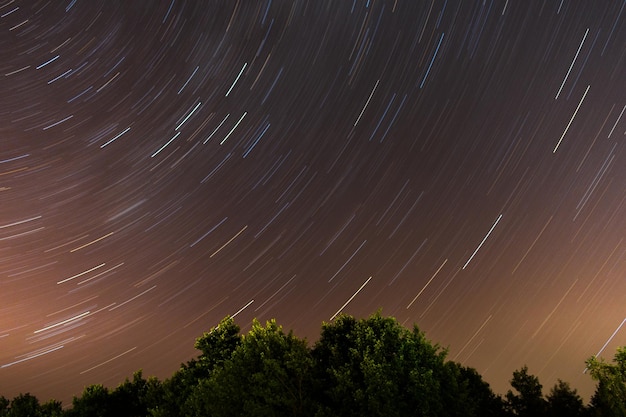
[610, 396]
[358, 367]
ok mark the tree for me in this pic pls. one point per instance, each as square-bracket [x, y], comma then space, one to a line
[268, 374]
[95, 402]
[51, 408]
[4, 406]
[609, 398]
[529, 401]
[24, 405]
[481, 400]
[218, 344]
[136, 397]
[564, 401]
[358, 367]
[376, 367]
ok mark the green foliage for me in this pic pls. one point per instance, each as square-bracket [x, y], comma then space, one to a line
[218, 344]
[24, 405]
[376, 367]
[367, 367]
[95, 402]
[27, 405]
[52, 408]
[267, 374]
[609, 398]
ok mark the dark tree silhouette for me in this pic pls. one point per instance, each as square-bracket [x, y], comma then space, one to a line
[528, 401]
[482, 402]
[24, 405]
[564, 401]
[4, 406]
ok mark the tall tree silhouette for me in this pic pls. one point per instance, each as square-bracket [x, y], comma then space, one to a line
[528, 401]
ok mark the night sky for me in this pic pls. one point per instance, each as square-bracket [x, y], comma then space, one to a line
[460, 165]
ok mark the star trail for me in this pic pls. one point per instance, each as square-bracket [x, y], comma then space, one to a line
[458, 164]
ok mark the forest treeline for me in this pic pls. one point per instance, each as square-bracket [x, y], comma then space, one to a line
[358, 367]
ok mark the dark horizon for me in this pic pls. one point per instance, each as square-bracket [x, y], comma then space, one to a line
[459, 165]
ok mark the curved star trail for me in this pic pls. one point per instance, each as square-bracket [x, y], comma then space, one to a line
[458, 164]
